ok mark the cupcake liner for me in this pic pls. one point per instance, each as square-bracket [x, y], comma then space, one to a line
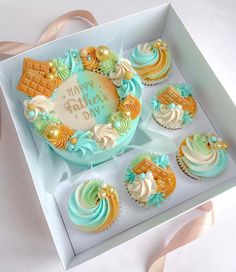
[153, 82]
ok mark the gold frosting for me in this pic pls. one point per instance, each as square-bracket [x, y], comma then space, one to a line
[90, 61]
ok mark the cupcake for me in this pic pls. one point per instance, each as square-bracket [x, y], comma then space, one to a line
[202, 155]
[149, 180]
[174, 106]
[151, 61]
[93, 206]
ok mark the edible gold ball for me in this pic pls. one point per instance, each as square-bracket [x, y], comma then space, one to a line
[31, 107]
[73, 141]
[111, 189]
[104, 185]
[102, 52]
[53, 70]
[127, 113]
[102, 194]
[128, 75]
[52, 132]
[50, 64]
[224, 145]
[83, 52]
[50, 76]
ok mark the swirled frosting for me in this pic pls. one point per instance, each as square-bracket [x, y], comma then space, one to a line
[142, 187]
[203, 156]
[120, 123]
[105, 135]
[132, 86]
[151, 62]
[39, 103]
[90, 61]
[93, 207]
[62, 70]
[169, 117]
[121, 67]
[43, 121]
[108, 66]
[82, 141]
[73, 61]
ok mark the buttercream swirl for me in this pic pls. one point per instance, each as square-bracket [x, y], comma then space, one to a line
[43, 121]
[105, 135]
[142, 187]
[132, 86]
[90, 61]
[108, 65]
[151, 63]
[121, 67]
[61, 141]
[120, 123]
[201, 157]
[93, 207]
[170, 117]
[62, 71]
[82, 141]
[37, 104]
[73, 61]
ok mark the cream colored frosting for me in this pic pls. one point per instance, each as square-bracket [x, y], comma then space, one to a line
[105, 135]
[141, 189]
[40, 103]
[122, 66]
[198, 160]
[172, 118]
[145, 48]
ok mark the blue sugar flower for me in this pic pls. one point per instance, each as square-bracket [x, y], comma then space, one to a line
[156, 199]
[156, 105]
[187, 119]
[130, 176]
[162, 161]
[184, 89]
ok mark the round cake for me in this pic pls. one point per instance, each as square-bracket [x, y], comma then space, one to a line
[93, 206]
[152, 61]
[86, 104]
[174, 106]
[203, 155]
[149, 180]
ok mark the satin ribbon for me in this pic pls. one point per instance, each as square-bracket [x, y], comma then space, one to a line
[11, 48]
[188, 233]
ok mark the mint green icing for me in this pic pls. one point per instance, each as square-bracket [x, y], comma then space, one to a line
[85, 209]
[62, 71]
[141, 58]
[201, 158]
[120, 123]
[107, 66]
[43, 121]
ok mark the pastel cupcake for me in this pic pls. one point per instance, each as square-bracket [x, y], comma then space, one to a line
[151, 61]
[93, 206]
[149, 180]
[174, 106]
[203, 155]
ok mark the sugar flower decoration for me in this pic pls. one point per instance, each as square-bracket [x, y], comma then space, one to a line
[156, 199]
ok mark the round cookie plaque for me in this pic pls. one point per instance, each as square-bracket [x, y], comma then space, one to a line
[86, 104]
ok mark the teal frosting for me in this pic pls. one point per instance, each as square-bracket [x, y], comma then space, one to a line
[156, 199]
[84, 143]
[129, 176]
[156, 104]
[132, 86]
[187, 119]
[73, 61]
[185, 90]
[85, 209]
[140, 58]
[198, 154]
[161, 160]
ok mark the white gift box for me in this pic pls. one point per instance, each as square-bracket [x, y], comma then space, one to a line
[216, 113]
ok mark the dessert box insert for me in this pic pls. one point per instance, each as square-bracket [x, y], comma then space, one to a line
[74, 246]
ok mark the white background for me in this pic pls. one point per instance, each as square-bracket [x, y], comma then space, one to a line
[25, 241]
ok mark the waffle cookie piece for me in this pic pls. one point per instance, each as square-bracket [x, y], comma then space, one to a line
[41, 67]
[149, 180]
[174, 106]
[33, 84]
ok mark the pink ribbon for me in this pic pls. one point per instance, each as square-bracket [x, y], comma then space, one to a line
[10, 48]
[188, 233]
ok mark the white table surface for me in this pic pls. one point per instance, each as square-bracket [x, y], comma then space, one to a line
[25, 241]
